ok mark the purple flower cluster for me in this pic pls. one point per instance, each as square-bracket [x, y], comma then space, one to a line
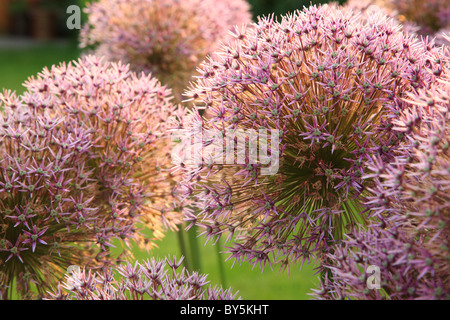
[129, 117]
[152, 279]
[166, 38]
[84, 160]
[349, 109]
[45, 194]
[409, 242]
[332, 86]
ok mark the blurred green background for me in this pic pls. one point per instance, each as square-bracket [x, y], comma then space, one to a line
[33, 35]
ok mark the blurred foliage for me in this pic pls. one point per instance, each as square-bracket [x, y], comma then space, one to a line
[23, 15]
[59, 7]
[258, 7]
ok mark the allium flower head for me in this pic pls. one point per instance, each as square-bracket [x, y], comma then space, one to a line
[128, 117]
[329, 87]
[152, 279]
[410, 241]
[386, 263]
[166, 38]
[47, 217]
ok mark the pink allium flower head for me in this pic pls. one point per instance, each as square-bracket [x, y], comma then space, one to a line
[47, 217]
[330, 87]
[386, 263]
[409, 243]
[166, 38]
[128, 117]
[152, 279]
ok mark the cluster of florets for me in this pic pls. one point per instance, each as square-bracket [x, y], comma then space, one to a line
[153, 279]
[328, 88]
[386, 264]
[409, 245]
[45, 196]
[85, 159]
[166, 38]
[129, 118]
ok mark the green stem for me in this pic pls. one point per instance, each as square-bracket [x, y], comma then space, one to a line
[194, 249]
[220, 262]
[183, 249]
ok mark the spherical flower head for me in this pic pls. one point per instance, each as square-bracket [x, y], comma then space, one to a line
[384, 263]
[409, 242]
[128, 117]
[47, 217]
[412, 185]
[318, 91]
[154, 279]
[168, 39]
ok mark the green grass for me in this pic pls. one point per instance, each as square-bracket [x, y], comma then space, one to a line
[251, 283]
[16, 65]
